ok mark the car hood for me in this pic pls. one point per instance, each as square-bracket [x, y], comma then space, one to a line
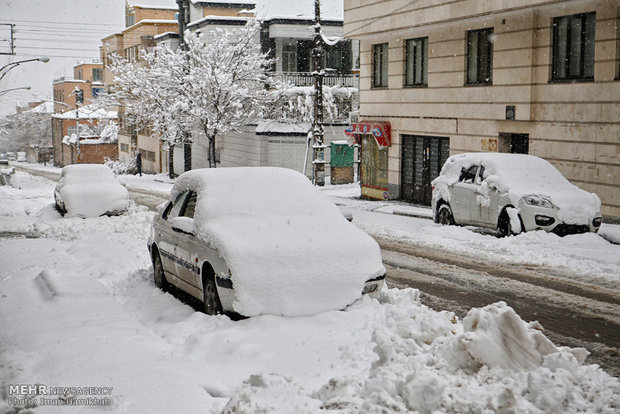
[93, 200]
[574, 205]
[293, 265]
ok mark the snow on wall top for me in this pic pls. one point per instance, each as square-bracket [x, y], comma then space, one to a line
[87, 113]
[44, 108]
[289, 248]
[287, 9]
[155, 4]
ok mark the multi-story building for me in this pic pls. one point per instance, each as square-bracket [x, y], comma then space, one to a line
[287, 33]
[71, 94]
[532, 76]
[143, 23]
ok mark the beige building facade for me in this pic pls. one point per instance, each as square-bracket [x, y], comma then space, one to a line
[452, 76]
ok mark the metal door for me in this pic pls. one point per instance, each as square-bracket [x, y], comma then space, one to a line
[422, 159]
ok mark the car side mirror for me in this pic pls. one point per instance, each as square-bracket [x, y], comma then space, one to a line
[183, 225]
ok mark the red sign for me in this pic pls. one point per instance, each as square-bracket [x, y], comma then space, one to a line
[379, 130]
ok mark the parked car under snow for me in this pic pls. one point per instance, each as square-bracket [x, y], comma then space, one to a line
[512, 193]
[90, 190]
[258, 241]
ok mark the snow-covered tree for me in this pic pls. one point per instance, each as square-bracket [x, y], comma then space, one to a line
[216, 84]
[226, 80]
[25, 129]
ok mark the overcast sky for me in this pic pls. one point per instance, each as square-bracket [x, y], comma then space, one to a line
[68, 31]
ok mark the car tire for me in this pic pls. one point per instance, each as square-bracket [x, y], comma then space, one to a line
[159, 276]
[504, 225]
[211, 300]
[444, 215]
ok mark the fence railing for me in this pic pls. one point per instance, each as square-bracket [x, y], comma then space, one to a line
[306, 79]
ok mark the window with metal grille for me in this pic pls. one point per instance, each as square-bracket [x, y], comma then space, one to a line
[380, 65]
[480, 57]
[573, 47]
[416, 62]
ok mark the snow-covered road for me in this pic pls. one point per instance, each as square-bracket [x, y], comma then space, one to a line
[78, 308]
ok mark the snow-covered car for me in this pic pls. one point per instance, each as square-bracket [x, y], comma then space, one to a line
[90, 190]
[11, 156]
[21, 156]
[3, 159]
[261, 240]
[512, 193]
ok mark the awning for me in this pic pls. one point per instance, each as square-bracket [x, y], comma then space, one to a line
[379, 130]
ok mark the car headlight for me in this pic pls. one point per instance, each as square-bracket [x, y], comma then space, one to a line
[538, 201]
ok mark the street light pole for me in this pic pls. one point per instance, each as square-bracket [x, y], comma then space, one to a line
[11, 65]
[318, 147]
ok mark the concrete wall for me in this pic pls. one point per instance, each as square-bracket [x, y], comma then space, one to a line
[246, 148]
[576, 126]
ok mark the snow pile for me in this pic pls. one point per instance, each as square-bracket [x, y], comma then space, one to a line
[520, 175]
[428, 361]
[289, 249]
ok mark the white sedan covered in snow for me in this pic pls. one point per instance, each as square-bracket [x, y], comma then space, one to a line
[90, 190]
[512, 193]
[261, 241]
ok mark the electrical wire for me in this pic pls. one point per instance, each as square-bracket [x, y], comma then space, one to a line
[10, 21]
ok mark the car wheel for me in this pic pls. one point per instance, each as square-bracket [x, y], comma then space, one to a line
[212, 304]
[504, 224]
[444, 215]
[158, 274]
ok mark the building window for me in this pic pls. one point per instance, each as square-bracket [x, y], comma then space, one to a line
[130, 20]
[380, 65]
[132, 53]
[573, 47]
[416, 62]
[289, 58]
[479, 56]
[97, 75]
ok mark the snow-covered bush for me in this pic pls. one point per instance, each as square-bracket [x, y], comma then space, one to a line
[121, 167]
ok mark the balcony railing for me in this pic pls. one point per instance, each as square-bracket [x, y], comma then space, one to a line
[306, 79]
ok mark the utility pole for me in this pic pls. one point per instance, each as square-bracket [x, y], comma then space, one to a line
[79, 98]
[318, 132]
[183, 22]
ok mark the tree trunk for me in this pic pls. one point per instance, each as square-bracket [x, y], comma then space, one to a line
[171, 173]
[187, 156]
[212, 159]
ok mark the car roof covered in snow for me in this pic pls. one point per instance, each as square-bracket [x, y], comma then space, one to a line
[289, 248]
